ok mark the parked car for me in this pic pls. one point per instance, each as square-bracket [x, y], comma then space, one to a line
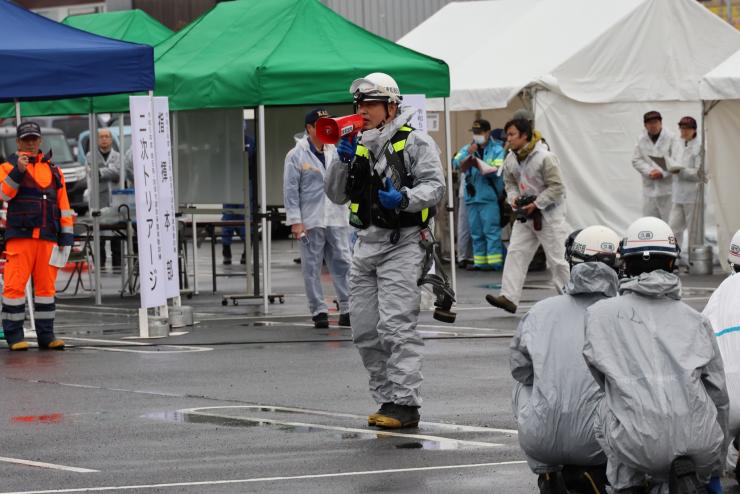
[75, 175]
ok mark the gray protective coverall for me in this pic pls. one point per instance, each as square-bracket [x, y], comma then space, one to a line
[555, 396]
[658, 363]
[384, 297]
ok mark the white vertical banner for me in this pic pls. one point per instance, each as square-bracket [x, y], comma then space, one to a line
[419, 103]
[152, 274]
[165, 180]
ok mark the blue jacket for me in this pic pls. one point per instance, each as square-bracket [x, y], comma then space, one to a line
[487, 187]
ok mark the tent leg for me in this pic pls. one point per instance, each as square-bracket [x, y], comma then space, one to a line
[263, 203]
[450, 195]
[95, 204]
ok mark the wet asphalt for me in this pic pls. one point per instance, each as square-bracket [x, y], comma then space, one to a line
[253, 402]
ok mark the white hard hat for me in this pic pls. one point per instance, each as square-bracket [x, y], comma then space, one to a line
[733, 256]
[649, 236]
[594, 243]
[375, 87]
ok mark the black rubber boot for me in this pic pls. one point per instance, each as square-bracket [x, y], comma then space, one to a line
[344, 320]
[398, 417]
[683, 479]
[551, 483]
[321, 320]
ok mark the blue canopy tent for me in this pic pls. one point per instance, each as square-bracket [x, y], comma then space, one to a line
[43, 59]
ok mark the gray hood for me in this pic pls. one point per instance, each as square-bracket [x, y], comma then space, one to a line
[656, 284]
[374, 139]
[592, 277]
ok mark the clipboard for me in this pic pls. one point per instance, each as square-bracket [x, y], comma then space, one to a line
[660, 161]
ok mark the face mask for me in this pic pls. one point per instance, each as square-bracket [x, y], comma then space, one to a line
[479, 139]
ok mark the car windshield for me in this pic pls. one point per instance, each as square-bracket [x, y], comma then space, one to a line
[59, 147]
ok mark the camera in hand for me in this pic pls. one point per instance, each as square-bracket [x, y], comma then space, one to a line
[521, 215]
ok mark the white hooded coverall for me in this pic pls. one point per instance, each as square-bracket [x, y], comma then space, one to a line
[658, 363]
[555, 396]
[686, 190]
[538, 174]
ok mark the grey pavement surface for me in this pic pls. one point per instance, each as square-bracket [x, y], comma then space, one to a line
[253, 402]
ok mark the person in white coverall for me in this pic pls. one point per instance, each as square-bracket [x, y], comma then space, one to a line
[655, 142]
[687, 175]
[530, 169]
[555, 396]
[392, 178]
[723, 311]
[663, 417]
[321, 226]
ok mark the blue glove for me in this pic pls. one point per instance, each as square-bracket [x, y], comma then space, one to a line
[346, 148]
[390, 198]
[714, 487]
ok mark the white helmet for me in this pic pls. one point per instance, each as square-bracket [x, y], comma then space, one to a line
[594, 243]
[733, 256]
[649, 236]
[375, 87]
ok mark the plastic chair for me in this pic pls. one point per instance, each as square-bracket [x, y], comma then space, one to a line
[80, 255]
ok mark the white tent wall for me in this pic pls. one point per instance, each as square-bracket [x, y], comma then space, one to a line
[722, 127]
[595, 143]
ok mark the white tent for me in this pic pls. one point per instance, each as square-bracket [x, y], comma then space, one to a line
[593, 67]
[592, 104]
[721, 89]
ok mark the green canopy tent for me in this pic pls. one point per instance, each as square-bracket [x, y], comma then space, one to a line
[252, 53]
[135, 26]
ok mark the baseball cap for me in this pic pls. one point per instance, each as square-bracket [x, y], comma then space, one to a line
[315, 114]
[687, 122]
[651, 115]
[28, 129]
[481, 125]
[523, 114]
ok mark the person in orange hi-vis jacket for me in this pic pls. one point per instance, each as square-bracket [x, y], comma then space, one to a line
[39, 221]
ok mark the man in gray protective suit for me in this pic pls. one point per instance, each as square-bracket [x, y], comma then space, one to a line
[392, 178]
[555, 396]
[663, 418]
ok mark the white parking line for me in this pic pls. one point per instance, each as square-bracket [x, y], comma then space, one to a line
[178, 348]
[41, 464]
[273, 479]
[323, 413]
[444, 442]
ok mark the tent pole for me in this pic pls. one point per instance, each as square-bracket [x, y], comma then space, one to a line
[450, 194]
[122, 151]
[95, 202]
[29, 293]
[263, 203]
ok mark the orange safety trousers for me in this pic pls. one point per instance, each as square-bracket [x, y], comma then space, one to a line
[29, 257]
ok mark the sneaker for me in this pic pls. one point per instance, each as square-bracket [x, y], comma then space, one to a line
[20, 346]
[56, 344]
[321, 320]
[474, 267]
[398, 417]
[551, 483]
[297, 260]
[464, 263]
[501, 302]
[344, 320]
[683, 479]
[373, 417]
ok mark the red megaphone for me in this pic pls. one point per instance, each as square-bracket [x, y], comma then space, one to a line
[330, 130]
